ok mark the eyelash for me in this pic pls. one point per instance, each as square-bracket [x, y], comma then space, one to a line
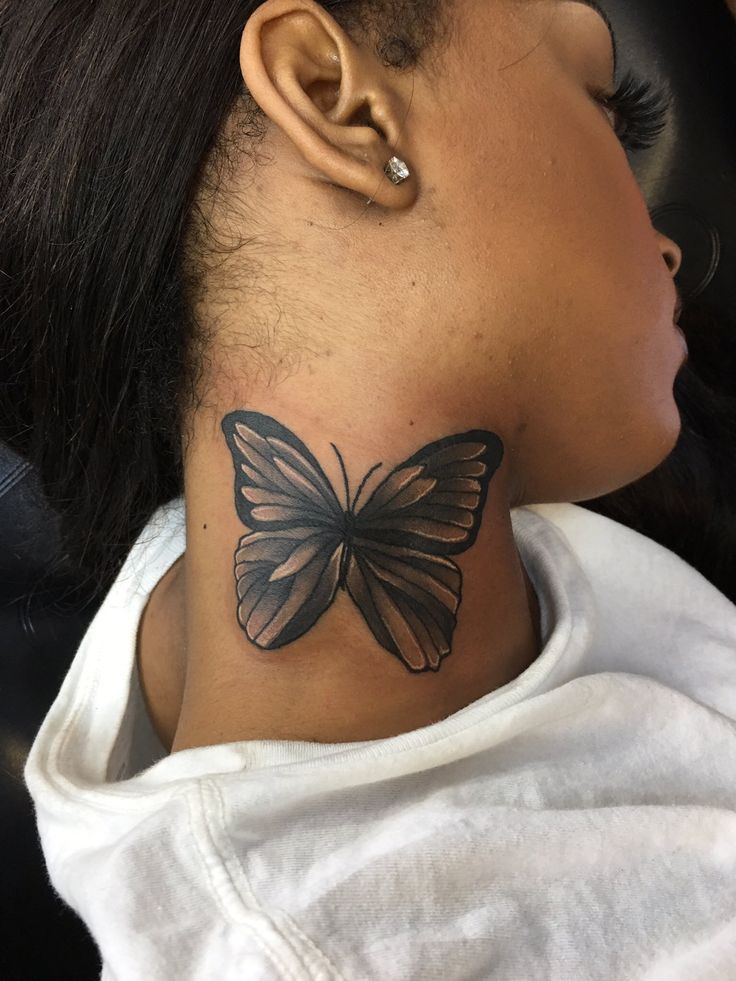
[641, 108]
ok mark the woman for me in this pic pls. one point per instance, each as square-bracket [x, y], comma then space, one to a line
[374, 285]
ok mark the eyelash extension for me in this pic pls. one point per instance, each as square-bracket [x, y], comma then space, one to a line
[641, 108]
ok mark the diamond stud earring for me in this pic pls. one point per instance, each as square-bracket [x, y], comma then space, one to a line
[396, 170]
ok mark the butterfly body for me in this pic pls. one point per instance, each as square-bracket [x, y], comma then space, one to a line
[390, 553]
[348, 531]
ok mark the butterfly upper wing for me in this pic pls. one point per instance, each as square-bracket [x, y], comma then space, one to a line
[434, 500]
[277, 480]
[287, 569]
[427, 508]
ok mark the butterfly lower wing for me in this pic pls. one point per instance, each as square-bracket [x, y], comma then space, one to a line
[408, 598]
[285, 579]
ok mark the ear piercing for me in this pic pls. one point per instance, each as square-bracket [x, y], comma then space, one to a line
[396, 170]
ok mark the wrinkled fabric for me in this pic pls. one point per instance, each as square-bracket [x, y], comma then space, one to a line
[577, 824]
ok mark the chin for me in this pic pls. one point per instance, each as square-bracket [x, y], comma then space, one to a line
[614, 461]
[662, 438]
[650, 454]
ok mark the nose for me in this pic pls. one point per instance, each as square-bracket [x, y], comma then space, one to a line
[671, 252]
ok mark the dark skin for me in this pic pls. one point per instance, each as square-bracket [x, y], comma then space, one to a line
[514, 283]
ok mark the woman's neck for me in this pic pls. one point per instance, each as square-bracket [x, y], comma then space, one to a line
[335, 682]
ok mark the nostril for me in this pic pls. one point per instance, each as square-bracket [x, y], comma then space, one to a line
[671, 252]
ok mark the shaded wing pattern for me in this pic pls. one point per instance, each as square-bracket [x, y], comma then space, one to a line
[399, 575]
[391, 553]
[287, 571]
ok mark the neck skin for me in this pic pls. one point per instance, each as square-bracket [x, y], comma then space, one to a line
[522, 291]
[206, 683]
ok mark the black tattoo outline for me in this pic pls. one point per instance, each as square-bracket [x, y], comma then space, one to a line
[390, 554]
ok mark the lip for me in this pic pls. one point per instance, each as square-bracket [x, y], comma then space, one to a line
[682, 338]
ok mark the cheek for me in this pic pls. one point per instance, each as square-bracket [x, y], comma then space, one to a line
[557, 232]
[559, 271]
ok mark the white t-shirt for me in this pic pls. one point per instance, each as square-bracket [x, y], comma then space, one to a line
[577, 824]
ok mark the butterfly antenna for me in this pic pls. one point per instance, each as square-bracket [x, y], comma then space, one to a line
[344, 475]
[362, 485]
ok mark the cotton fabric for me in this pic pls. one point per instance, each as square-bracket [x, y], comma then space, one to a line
[577, 824]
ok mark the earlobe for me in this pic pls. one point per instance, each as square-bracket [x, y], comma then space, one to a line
[313, 82]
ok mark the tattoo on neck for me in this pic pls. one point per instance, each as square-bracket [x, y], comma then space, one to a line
[390, 552]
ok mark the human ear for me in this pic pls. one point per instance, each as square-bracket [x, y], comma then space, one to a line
[341, 108]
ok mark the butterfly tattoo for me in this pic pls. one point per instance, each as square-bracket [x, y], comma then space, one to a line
[390, 552]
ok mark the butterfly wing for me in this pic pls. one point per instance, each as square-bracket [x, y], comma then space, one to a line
[399, 573]
[287, 569]
[285, 580]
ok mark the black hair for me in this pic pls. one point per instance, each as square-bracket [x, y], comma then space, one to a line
[112, 115]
